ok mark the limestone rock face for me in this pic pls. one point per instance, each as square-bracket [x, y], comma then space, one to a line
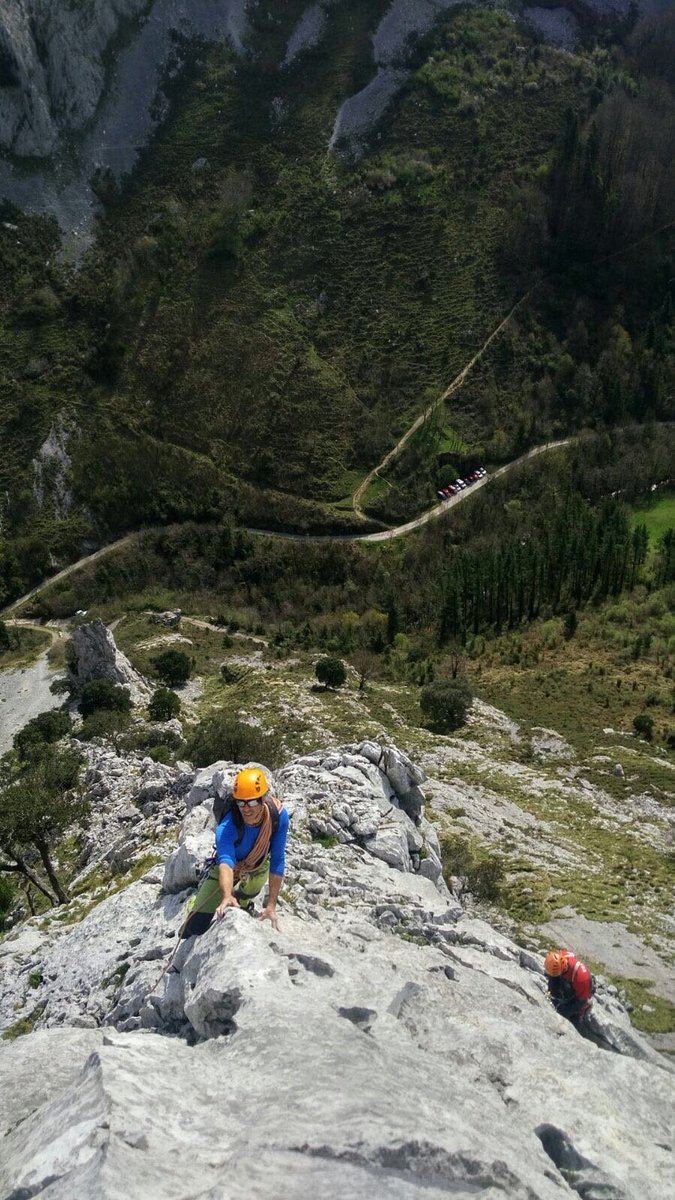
[361, 793]
[384, 1042]
[97, 657]
[51, 67]
[361, 1064]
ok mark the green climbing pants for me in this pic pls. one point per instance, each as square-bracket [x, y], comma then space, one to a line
[202, 906]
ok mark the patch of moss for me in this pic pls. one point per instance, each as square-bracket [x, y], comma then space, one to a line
[24, 1024]
[117, 976]
[650, 1013]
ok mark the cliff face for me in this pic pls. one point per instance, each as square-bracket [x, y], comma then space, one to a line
[52, 71]
[385, 1042]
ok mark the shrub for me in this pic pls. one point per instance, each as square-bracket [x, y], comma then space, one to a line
[644, 726]
[570, 625]
[6, 897]
[172, 667]
[481, 872]
[445, 703]
[100, 694]
[225, 735]
[35, 811]
[44, 729]
[104, 723]
[5, 641]
[164, 705]
[147, 738]
[330, 672]
[161, 754]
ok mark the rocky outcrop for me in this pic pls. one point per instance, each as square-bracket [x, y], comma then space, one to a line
[52, 71]
[170, 619]
[51, 472]
[95, 656]
[384, 1042]
[364, 794]
[392, 43]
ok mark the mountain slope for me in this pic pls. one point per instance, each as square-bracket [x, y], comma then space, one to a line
[406, 1045]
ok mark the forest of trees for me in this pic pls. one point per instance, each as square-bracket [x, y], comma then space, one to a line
[522, 548]
[594, 348]
[582, 555]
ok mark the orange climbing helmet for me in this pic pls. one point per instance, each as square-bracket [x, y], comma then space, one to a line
[556, 962]
[250, 784]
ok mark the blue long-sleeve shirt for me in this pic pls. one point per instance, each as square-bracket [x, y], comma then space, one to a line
[229, 854]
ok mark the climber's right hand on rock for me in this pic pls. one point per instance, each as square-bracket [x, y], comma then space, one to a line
[231, 902]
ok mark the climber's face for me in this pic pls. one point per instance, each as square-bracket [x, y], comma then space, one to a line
[251, 811]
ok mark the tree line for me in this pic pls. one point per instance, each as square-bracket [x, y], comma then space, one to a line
[583, 555]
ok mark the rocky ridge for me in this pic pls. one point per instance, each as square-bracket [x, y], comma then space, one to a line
[390, 1040]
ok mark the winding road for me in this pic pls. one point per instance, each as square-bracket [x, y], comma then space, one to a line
[384, 535]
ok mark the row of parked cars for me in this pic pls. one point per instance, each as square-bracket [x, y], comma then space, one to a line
[458, 486]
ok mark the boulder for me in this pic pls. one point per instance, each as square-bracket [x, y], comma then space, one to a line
[169, 619]
[96, 657]
[195, 845]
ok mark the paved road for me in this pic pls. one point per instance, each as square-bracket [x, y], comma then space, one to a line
[384, 535]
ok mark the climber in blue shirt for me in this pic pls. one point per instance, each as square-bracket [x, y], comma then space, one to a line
[250, 850]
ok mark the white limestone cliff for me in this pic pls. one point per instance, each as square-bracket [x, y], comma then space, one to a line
[385, 1042]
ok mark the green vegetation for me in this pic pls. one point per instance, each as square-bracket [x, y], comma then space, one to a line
[658, 514]
[481, 872]
[21, 646]
[445, 703]
[105, 723]
[224, 735]
[164, 704]
[98, 695]
[24, 1024]
[650, 1013]
[42, 731]
[38, 804]
[643, 725]
[173, 667]
[246, 341]
[117, 977]
[331, 672]
[7, 897]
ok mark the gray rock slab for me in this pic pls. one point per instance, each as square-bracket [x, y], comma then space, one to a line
[397, 1080]
[33, 1070]
[97, 657]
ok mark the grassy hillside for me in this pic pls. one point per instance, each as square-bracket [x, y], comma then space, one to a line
[259, 319]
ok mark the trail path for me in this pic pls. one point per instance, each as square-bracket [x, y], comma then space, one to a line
[461, 377]
[81, 562]
[387, 534]
[452, 387]
[384, 535]
[24, 691]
